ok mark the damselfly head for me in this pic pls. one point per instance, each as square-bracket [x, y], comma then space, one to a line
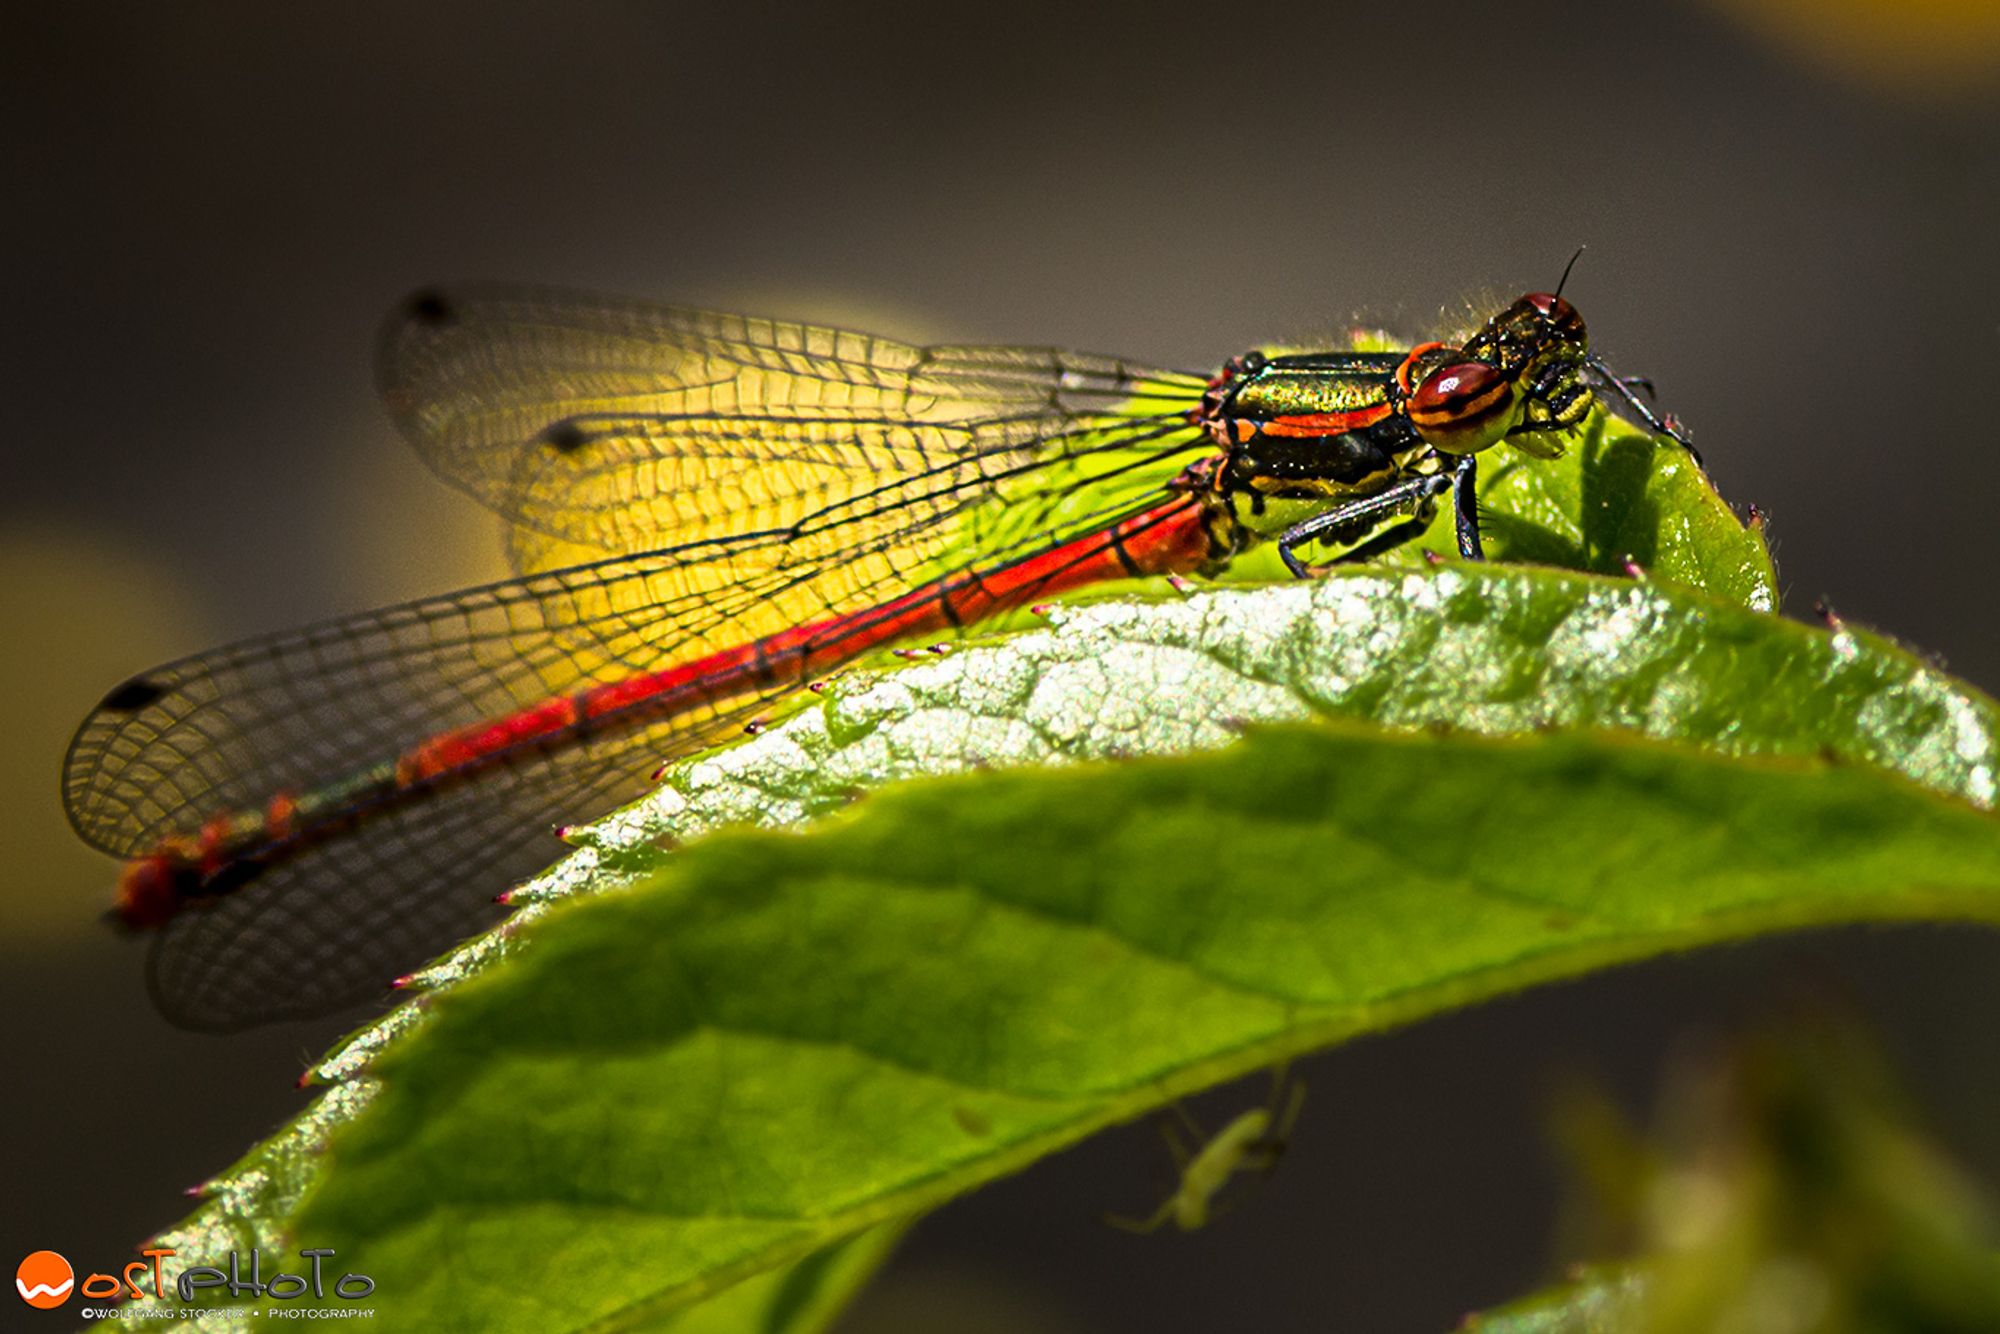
[1535, 328]
[1520, 371]
[1559, 315]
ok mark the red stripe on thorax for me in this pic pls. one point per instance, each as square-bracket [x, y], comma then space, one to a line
[1325, 423]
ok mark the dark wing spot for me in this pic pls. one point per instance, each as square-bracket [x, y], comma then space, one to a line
[133, 696]
[565, 437]
[430, 306]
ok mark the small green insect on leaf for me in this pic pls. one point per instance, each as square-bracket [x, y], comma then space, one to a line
[1252, 1141]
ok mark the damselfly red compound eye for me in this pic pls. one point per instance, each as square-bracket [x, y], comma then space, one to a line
[1464, 407]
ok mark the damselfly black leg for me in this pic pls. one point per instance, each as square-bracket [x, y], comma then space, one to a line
[1384, 542]
[1465, 507]
[1353, 519]
[1622, 386]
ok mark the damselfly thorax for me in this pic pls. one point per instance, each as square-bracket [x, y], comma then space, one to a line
[1354, 440]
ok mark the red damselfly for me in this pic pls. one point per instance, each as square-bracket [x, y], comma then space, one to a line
[707, 511]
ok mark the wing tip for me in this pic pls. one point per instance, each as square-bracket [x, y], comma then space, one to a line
[421, 317]
[430, 308]
[133, 695]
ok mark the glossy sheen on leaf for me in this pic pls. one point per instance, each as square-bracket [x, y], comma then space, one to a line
[1596, 1301]
[782, 1039]
[1499, 649]
[1492, 649]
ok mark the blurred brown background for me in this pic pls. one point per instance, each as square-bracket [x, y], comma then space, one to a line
[1790, 210]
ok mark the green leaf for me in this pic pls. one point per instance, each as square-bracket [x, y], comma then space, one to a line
[1493, 649]
[1606, 1300]
[250, 1204]
[781, 1039]
[1622, 497]
[798, 1298]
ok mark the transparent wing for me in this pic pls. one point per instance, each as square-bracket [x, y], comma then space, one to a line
[679, 482]
[229, 729]
[331, 924]
[609, 426]
[327, 919]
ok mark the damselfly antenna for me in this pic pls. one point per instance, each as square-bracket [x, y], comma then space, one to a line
[1567, 267]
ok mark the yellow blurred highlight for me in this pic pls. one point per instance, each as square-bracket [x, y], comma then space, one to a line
[82, 615]
[1918, 49]
[643, 489]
